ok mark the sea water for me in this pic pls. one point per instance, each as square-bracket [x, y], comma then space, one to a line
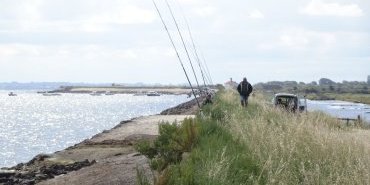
[341, 109]
[31, 123]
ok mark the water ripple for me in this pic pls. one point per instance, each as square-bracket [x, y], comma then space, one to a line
[31, 123]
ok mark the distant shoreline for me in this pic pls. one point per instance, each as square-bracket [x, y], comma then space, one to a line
[122, 89]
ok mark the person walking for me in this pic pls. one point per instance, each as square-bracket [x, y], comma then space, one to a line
[244, 89]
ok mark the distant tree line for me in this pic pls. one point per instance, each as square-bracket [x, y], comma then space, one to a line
[325, 85]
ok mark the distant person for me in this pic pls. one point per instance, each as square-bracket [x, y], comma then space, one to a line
[244, 89]
[208, 99]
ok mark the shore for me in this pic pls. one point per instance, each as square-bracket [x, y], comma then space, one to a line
[123, 90]
[106, 158]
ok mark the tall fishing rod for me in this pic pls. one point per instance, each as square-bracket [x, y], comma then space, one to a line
[183, 42]
[206, 73]
[195, 51]
[193, 44]
[206, 67]
[177, 53]
[201, 70]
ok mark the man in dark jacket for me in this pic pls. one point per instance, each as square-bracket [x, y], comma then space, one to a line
[244, 89]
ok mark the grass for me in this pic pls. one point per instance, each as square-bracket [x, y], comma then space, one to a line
[363, 98]
[263, 145]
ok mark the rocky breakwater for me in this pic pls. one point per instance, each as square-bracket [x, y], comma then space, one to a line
[40, 168]
[187, 108]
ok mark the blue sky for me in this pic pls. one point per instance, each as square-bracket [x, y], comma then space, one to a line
[124, 40]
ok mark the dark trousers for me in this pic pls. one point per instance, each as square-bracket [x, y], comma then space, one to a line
[244, 100]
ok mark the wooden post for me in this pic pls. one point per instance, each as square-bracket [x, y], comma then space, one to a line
[359, 119]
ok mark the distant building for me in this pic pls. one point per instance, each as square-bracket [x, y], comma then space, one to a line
[231, 84]
[368, 79]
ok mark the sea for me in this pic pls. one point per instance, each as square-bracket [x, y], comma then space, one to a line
[31, 123]
[341, 109]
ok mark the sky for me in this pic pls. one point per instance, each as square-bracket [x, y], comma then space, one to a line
[123, 41]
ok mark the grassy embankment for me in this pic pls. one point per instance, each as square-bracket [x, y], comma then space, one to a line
[257, 145]
[363, 98]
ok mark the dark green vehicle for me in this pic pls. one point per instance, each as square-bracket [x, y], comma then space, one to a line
[289, 102]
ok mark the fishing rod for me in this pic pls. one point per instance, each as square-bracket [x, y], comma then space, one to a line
[200, 67]
[177, 53]
[193, 43]
[196, 54]
[183, 42]
[206, 67]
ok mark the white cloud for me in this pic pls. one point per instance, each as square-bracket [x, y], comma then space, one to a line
[83, 62]
[294, 41]
[318, 8]
[126, 37]
[86, 52]
[191, 2]
[11, 50]
[32, 16]
[125, 15]
[256, 14]
[302, 40]
[205, 11]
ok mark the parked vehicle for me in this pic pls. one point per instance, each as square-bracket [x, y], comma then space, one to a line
[289, 102]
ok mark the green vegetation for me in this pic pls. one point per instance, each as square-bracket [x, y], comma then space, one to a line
[363, 98]
[228, 144]
[326, 89]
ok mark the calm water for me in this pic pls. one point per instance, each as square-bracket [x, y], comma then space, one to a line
[31, 123]
[341, 109]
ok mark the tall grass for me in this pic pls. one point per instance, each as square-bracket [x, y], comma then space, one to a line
[299, 149]
[363, 98]
[264, 145]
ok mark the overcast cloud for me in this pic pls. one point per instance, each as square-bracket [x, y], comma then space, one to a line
[124, 40]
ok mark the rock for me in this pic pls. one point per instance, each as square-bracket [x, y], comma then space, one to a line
[7, 173]
[4, 180]
[27, 182]
[39, 171]
[189, 107]
[38, 158]
[136, 138]
[105, 131]
[19, 166]
[118, 154]
[40, 177]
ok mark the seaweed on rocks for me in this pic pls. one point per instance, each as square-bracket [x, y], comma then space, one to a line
[186, 108]
[38, 169]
